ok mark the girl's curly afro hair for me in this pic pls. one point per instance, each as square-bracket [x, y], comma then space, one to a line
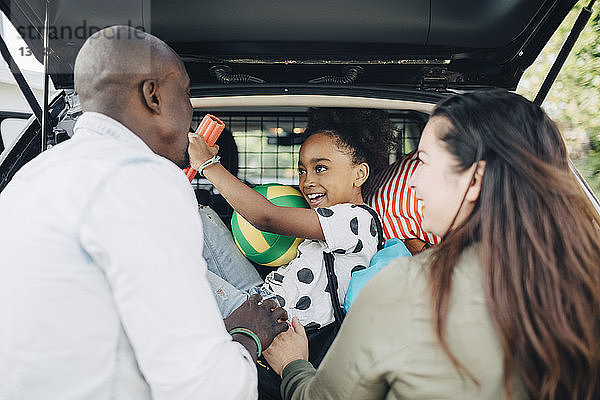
[367, 133]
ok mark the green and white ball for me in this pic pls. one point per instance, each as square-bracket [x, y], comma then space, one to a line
[266, 248]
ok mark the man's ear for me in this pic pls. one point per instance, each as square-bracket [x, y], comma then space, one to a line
[361, 173]
[151, 95]
[474, 189]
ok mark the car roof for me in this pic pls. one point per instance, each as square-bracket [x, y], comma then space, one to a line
[424, 44]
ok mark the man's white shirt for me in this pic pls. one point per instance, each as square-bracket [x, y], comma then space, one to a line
[103, 293]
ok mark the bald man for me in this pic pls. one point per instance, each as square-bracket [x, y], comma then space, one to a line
[101, 294]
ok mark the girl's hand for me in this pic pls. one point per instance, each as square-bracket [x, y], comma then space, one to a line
[198, 150]
[288, 346]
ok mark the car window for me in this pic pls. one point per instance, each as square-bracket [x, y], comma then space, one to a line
[572, 101]
[10, 128]
[267, 144]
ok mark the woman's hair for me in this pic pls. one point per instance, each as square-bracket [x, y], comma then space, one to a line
[368, 134]
[539, 241]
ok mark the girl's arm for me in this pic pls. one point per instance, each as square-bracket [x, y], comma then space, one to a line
[261, 213]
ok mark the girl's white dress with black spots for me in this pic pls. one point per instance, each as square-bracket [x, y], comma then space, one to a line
[351, 235]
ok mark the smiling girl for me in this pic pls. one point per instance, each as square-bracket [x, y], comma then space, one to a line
[342, 150]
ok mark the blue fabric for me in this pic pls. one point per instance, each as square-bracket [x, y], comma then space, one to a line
[231, 276]
[393, 248]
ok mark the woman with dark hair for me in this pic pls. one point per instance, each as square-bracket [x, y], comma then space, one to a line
[506, 306]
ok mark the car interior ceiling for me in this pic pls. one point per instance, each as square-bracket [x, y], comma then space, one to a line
[486, 35]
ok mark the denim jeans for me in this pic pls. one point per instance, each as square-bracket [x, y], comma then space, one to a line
[231, 276]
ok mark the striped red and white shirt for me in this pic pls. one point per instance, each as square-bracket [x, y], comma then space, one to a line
[396, 203]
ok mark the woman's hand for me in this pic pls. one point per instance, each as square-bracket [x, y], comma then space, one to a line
[288, 346]
[199, 151]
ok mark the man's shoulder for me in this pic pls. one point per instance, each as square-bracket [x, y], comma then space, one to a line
[81, 165]
[97, 155]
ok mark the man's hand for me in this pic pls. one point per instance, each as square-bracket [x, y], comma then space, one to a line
[265, 318]
[287, 347]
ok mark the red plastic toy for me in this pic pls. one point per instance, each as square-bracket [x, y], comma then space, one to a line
[210, 128]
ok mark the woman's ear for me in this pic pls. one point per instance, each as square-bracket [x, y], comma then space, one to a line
[361, 173]
[474, 189]
[151, 95]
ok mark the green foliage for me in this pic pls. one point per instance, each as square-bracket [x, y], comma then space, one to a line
[574, 99]
[590, 165]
